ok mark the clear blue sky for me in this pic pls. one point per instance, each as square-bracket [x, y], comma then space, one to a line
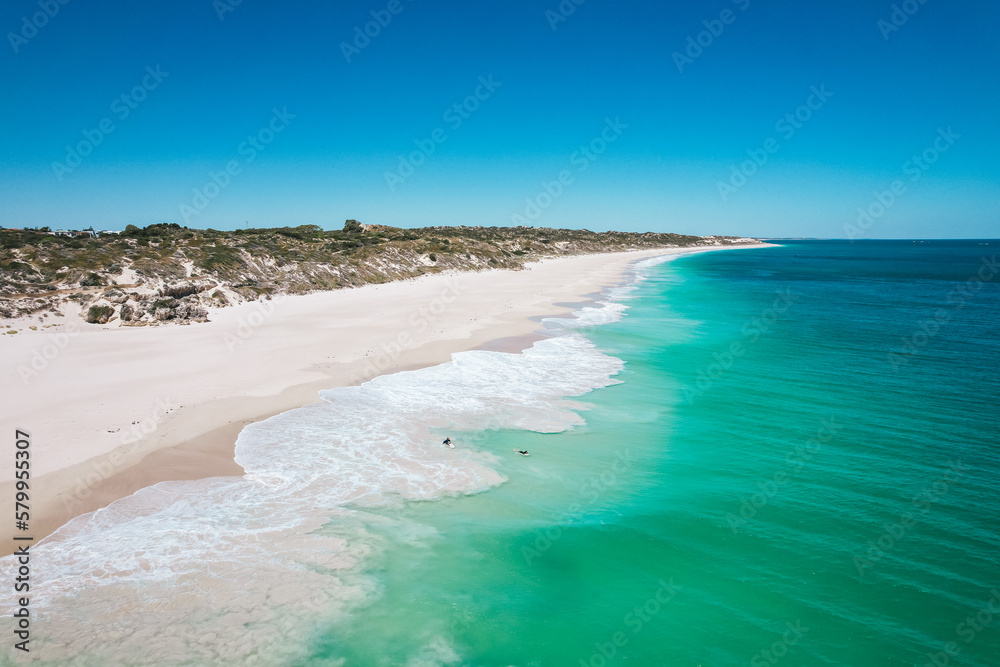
[892, 91]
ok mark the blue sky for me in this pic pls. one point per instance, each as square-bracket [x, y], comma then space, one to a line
[642, 139]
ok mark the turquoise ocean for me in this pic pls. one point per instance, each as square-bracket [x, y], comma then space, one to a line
[800, 466]
[779, 455]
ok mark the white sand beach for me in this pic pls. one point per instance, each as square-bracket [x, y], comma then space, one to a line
[111, 410]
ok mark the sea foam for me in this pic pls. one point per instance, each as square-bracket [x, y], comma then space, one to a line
[243, 570]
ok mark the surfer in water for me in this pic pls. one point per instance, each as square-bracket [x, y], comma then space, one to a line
[447, 443]
[522, 452]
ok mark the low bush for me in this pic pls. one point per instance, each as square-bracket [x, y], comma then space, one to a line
[179, 291]
[91, 280]
[164, 303]
[99, 314]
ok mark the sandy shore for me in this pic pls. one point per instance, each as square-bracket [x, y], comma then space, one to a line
[113, 410]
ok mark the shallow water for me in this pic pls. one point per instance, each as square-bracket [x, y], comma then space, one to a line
[245, 570]
[802, 500]
[758, 456]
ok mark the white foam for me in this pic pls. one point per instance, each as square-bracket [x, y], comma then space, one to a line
[612, 307]
[243, 570]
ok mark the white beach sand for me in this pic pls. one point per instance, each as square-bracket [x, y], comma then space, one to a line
[111, 410]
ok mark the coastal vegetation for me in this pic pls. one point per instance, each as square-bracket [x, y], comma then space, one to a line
[165, 272]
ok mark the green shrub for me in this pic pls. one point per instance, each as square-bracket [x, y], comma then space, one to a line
[91, 280]
[164, 303]
[99, 314]
[179, 291]
[219, 257]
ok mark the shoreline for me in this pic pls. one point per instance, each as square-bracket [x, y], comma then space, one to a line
[271, 363]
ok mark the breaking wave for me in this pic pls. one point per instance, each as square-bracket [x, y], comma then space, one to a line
[243, 570]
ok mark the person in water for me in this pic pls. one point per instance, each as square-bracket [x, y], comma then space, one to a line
[447, 442]
[522, 452]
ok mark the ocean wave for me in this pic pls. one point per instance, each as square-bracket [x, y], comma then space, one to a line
[612, 305]
[243, 570]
